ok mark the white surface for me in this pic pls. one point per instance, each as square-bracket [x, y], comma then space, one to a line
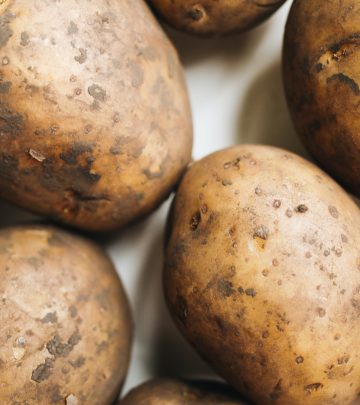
[237, 97]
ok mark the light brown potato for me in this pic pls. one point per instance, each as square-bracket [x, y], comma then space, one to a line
[262, 275]
[65, 326]
[95, 125]
[322, 76]
[178, 392]
[215, 17]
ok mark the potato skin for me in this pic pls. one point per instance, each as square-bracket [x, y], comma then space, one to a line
[262, 275]
[214, 17]
[95, 122]
[322, 76]
[66, 330]
[178, 392]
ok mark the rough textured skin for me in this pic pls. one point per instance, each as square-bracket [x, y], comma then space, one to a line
[177, 392]
[322, 77]
[215, 17]
[65, 327]
[262, 275]
[95, 125]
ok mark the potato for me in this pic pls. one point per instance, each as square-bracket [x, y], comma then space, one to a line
[65, 329]
[322, 76]
[262, 275]
[95, 125]
[177, 392]
[214, 17]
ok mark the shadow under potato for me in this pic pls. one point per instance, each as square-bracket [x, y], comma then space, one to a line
[170, 354]
[265, 118]
[194, 49]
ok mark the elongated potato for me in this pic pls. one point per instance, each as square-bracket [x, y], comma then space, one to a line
[262, 275]
[65, 327]
[215, 17]
[322, 77]
[177, 392]
[95, 125]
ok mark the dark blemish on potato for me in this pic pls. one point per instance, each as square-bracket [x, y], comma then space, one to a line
[302, 208]
[195, 220]
[5, 87]
[308, 255]
[25, 39]
[43, 371]
[299, 360]
[265, 272]
[309, 389]
[50, 317]
[289, 213]
[10, 123]
[277, 391]
[82, 59]
[77, 91]
[73, 79]
[72, 28]
[275, 262]
[343, 360]
[265, 335]
[196, 13]
[241, 290]
[5, 31]
[342, 78]
[225, 288]
[76, 150]
[97, 92]
[78, 362]
[234, 163]
[59, 349]
[321, 312]
[258, 191]
[319, 67]
[181, 309]
[344, 238]
[102, 346]
[137, 74]
[250, 292]
[73, 311]
[204, 209]
[226, 182]
[277, 204]
[261, 232]
[326, 252]
[8, 166]
[356, 304]
[333, 211]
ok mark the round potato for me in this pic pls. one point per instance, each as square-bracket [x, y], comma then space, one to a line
[95, 125]
[177, 392]
[322, 76]
[65, 330]
[262, 275]
[214, 17]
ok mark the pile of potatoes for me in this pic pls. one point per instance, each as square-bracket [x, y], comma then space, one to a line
[262, 247]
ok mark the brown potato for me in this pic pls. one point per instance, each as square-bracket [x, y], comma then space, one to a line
[214, 17]
[322, 76]
[262, 275]
[177, 392]
[65, 331]
[95, 125]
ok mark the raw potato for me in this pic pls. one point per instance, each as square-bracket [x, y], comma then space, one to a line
[95, 125]
[262, 275]
[322, 77]
[65, 331]
[215, 17]
[177, 392]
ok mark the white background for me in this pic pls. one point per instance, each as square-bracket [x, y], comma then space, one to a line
[237, 96]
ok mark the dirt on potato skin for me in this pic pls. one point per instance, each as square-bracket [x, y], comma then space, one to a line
[181, 392]
[322, 76]
[95, 123]
[66, 327]
[262, 264]
[211, 18]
